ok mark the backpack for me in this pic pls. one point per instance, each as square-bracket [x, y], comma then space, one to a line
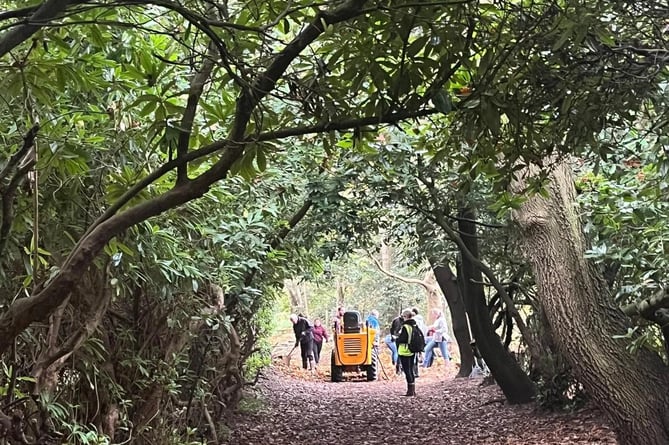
[417, 340]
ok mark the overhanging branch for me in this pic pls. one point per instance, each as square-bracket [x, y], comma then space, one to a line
[215, 147]
[387, 272]
[647, 308]
[20, 314]
[49, 10]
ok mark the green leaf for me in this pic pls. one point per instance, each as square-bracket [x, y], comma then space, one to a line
[564, 37]
[261, 160]
[491, 117]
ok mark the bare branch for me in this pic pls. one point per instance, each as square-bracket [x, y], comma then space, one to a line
[425, 285]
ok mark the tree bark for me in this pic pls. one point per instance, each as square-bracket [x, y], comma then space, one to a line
[386, 254]
[298, 296]
[515, 384]
[447, 282]
[433, 297]
[631, 388]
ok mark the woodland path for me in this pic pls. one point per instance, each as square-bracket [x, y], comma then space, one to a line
[303, 408]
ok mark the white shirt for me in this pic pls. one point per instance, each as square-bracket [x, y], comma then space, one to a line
[440, 329]
[420, 323]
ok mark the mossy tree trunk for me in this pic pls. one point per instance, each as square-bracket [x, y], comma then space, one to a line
[632, 388]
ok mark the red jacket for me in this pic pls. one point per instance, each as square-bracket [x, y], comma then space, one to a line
[320, 333]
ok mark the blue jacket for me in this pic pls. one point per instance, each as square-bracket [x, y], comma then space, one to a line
[373, 322]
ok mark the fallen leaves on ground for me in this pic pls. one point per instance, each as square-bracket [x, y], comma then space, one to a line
[305, 407]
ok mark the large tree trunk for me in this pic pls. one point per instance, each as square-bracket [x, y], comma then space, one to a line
[447, 282]
[515, 384]
[632, 388]
[432, 295]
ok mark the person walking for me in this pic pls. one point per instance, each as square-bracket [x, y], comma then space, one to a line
[407, 358]
[320, 334]
[305, 338]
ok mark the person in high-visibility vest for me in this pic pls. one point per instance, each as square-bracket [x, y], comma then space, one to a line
[407, 358]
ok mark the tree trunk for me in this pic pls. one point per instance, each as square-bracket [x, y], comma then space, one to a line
[447, 282]
[632, 388]
[340, 292]
[433, 297]
[386, 254]
[298, 296]
[515, 384]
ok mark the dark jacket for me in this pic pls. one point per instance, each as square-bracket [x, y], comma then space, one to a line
[319, 334]
[303, 330]
[396, 326]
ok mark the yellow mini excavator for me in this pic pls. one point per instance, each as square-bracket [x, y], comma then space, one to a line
[355, 348]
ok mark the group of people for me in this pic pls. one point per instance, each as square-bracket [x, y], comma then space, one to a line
[400, 336]
[310, 338]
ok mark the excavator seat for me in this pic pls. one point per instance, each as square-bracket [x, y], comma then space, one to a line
[352, 322]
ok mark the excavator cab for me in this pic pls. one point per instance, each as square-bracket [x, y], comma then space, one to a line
[355, 348]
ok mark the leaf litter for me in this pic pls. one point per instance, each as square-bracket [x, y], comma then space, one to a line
[305, 407]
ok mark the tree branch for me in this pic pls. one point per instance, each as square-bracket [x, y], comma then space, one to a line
[422, 283]
[217, 146]
[646, 308]
[20, 314]
[194, 94]
[266, 81]
[344, 124]
[8, 193]
[28, 143]
[281, 235]
[49, 10]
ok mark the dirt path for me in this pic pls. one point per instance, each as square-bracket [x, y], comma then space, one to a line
[302, 408]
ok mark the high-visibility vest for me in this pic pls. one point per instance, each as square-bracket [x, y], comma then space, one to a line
[403, 348]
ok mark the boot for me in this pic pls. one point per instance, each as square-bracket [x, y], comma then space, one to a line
[411, 390]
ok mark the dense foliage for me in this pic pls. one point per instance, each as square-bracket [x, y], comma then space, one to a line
[167, 165]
